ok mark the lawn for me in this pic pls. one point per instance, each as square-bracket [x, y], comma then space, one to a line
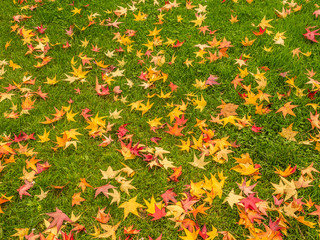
[155, 119]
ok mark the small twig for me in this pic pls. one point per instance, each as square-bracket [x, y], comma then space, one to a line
[301, 232]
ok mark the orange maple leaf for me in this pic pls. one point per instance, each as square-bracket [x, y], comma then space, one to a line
[76, 199]
[287, 109]
[175, 130]
[176, 174]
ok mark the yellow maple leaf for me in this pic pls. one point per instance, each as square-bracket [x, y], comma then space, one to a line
[200, 104]
[13, 65]
[131, 206]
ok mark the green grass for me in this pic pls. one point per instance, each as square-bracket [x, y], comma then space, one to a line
[68, 165]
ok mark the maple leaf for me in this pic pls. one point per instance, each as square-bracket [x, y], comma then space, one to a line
[302, 183]
[158, 238]
[200, 209]
[317, 13]
[32, 163]
[21, 233]
[309, 171]
[212, 234]
[190, 235]
[42, 194]
[288, 133]
[169, 195]
[13, 65]
[175, 130]
[212, 80]
[110, 231]
[158, 214]
[58, 218]
[129, 230]
[265, 23]
[233, 19]
[125, 186]
[256, 129]
[200, 103]
[307, 223]
[233, 198]
[287, 109]
[140, 16]
[109, 174]
[250, 202]
[166, 163]
[40, 29]
[116, 197]
[102, 217]
[285, 187]
[289, 170]
[310, 35]
[314, 120]
[199, 163]
[317, 212]
[76, 199]
[131, 206]
[78, 72]
[176, 174]
[24, 188]
[103, 189]
[4, 199]
[247, 42]
[152, 204]
[245, 187]
[101, 89]
[178, 44]
[245, 168]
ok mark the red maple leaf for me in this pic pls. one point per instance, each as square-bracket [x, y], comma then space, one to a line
[178, 44]
[41, 29]
[67, 45]
[261, 31]
[158, 238]
[24, 188]
[188, 202]
[69, 31]
[173, 87]
[317, 212]
[155, 140]
[312, 94]
[212, 80]
[256, 129]
[135, 149]
[250, 202]
[277, 201]
[122, 130]
[158, 214]
[310, 35]
[66, 236]
[101, 89]
[42, 167]
[275, 226]
[180, 121]
[10, 87]
[103, 189]
[169, 195]
[188, 224]
[317, 13]
[85, 114]
[58, 218]
[42, 94]
[203, 232]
